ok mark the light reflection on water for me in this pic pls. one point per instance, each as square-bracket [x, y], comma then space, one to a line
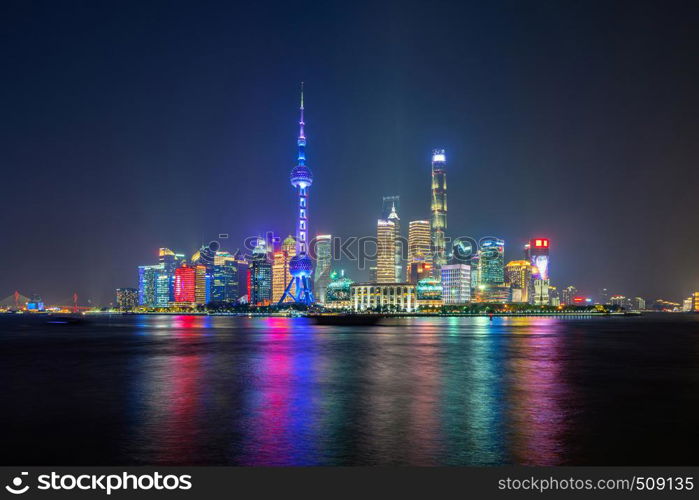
[283, 391]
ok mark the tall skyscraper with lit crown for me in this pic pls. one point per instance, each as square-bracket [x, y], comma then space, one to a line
[397, 244]
[439, 209]
[385, 254]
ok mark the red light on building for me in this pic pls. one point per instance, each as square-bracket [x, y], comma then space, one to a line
[541, 243]
[578, 300]
[185, 280]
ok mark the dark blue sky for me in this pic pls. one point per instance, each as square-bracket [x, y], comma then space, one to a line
[133, 125]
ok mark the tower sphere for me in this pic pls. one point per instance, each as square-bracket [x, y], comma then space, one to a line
[300, 265]
[301, 176]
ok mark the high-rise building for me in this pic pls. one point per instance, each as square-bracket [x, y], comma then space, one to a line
[537, 252]
[568, 295]
[147, 282]
[243, 279]
[540, 292]
[280, 268]
[202, 284]
[385, 251]
[492, 262]
[126, 298]
[439, 209]
[603, 296]
[397, 244]
[224, 278]
[554, 297]
[475, 273]
[301, 265]
[170, 261]
[323, 251]
[185, 282]
[206, 255]
[419, 242]
[281, 276]
[518, 275]
[456, 284]
[162, 289]
[418, 271]
[260, 275]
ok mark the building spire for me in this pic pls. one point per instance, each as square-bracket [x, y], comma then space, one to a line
[302, 134]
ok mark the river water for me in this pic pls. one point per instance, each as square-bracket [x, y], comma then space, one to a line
[199, 390]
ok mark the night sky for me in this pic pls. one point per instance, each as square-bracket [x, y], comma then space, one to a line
[127, 126]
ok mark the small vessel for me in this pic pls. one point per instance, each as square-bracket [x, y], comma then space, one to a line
[341, 319]
[66, 320]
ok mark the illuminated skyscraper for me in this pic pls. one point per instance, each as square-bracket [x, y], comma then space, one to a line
[162, 289]
[224, 278]
[301, 265]
[185, 279]
[385, 251]
[492, 262]
[202, 284]
[260, 275]
[518, 275]
[280, 269]
[147, 283]
[280, 265]
[281, 275]
[568, 294]
[439, 208]
[323, 251]
[537, 252]
[419, 243]
[397, 244]
[170, 261]
[475, 272]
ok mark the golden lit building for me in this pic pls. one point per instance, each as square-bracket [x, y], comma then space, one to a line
[280, 269]
[224, 259]
[518, 274]
[201, 285]
[385, 251]
[419, 242]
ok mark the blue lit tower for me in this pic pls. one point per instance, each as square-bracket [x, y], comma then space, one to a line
[301, 266]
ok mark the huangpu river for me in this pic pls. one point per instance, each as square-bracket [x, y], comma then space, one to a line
[198, 390]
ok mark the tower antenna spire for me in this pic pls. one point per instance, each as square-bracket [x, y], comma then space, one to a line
[302, 134]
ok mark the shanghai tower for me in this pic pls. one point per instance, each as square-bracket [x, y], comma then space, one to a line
[439, 209]
[301, 265]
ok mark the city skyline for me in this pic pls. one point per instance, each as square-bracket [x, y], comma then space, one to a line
[105, 171]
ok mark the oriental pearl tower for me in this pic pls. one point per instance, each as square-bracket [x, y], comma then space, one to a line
[301, 265]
